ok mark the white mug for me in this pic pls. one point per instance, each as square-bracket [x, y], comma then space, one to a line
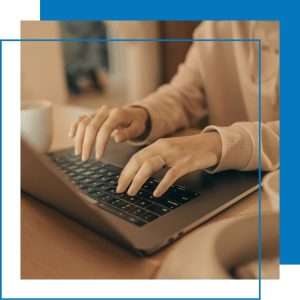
[36, 124]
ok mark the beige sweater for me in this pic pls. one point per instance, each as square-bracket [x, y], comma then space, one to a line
[218, 83]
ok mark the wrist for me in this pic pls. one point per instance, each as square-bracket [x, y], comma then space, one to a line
[144, 117]
[214, 143]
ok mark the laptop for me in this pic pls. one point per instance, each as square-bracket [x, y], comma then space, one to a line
[86, 192]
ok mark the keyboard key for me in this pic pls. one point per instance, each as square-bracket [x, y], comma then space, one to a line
[128, 198]
[113, 201]
[71, 167]
[77, 177]
[102, 171]
[71, 174]
[116, 202]
[121, 195]
[126, 206]
[137, 211]
[116, 177]
[95, 176]
[101, 164]
[102, 187]
[64, 166]
[112, 182]
[58, 158]
[88, 190]
[79, 170]
[88, 164]
[151, 197]
[112, 210]
[95, 168]
[104, 178]
[106, 198]
[94, 183]
[110, 190]
[149, 217]
[180, 194]
[131, 199]
[84, 181]
[72, 157]
[158, 209]
[144, 194]
[111, 173]
[82, 186]
[97, 195]
[143, 203]
[88, 173]
[172, 204]
[150, 185]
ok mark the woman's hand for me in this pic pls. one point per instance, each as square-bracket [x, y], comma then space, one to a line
[182, 154]
[120, 123]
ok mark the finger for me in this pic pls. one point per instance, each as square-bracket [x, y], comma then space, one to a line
[74, 125]
[132, 167]
[116, 135]
[171, 176]
[80, 135]
[124, 134]
[91, 133]
[186, 165]
[149, 167]
[115, 119]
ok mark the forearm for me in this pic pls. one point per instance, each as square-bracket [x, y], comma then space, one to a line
[178, 104]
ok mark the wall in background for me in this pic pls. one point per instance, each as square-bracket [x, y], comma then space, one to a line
[140, 64]
[42, 66]
[172, 54]
[135, 66]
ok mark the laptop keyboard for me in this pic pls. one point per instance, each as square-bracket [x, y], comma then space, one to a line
[98, 180]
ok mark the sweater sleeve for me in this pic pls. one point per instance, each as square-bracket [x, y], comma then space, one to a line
[240, 146]
[179, 104]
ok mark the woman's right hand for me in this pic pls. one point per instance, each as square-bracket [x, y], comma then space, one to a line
[121, 123]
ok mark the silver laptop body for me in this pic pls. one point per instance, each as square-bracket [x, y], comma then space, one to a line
[44, 181]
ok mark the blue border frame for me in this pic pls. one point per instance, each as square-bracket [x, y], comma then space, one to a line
[151, 40]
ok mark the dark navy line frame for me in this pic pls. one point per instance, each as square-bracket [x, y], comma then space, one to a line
[258, 41]
[131, 40]
[1, 168]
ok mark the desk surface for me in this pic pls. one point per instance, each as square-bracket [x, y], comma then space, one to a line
[55, 247]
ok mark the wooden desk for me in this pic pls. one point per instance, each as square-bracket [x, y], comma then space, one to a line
[55, 247]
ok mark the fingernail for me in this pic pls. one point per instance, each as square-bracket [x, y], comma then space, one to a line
[120, 188]
[131, 192]
[76, 152]
[117, 139]
[69, 134]
[84, 157]
[156, 193]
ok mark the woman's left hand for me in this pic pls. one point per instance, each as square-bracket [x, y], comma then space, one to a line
[182, 154]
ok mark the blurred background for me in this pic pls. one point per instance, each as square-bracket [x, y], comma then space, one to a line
[92, 73]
